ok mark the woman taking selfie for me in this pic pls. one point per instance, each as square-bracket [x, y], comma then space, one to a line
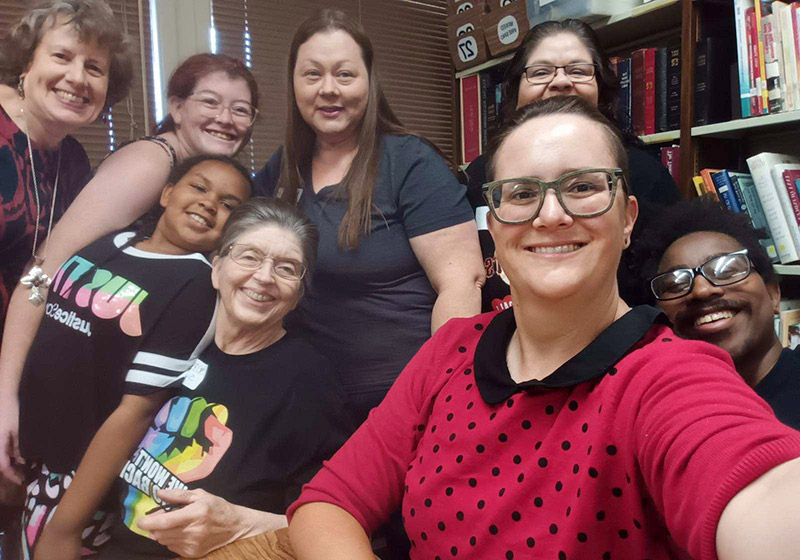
[569, 426]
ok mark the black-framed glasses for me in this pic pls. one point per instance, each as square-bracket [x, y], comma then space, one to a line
[242, 112]
[584, 193]
[252, 258]
[722, 270]
[577, 72]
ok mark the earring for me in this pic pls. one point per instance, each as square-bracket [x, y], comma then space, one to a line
[105, 114]
[626, 242]
[20, 87]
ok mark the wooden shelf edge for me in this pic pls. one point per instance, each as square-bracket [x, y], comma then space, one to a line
[750, 123]
[636, 12]
[661, 137]
[787, 269]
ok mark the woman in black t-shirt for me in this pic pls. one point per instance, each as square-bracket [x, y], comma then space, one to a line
[565, 58]
[256, 416]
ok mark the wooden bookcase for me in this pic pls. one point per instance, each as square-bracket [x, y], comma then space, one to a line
[720, 145]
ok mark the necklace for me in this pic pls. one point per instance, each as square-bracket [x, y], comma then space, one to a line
[36, 280]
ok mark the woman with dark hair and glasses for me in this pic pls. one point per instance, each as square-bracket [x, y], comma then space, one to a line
[565, 58]
[708, 271]
[570, 425]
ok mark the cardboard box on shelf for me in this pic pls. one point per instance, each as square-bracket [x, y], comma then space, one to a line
[506, 27]
[455, 7]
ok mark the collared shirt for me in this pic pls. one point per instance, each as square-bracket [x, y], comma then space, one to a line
[639, 440]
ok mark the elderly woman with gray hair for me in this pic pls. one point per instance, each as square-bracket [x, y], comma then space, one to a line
[257, 415]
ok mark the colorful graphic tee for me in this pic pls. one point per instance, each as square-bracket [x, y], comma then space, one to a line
[253, 431]
[117, 320]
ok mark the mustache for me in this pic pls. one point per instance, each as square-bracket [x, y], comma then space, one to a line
[695, 310]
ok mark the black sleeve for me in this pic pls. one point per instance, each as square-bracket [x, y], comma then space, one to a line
[476, 177]
[184, 329]
[651, 183]
[266, 179]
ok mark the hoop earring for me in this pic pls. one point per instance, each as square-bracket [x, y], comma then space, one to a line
[21, 88]
[626, 242]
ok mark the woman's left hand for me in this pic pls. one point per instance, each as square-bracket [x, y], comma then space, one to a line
[204, 522]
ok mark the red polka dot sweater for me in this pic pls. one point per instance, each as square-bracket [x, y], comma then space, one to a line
[636, 443]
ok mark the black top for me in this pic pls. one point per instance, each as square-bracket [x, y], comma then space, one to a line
[598, 358]
[653, 187]
[117, 320]
[369, 310]
[255, 429]
[781, 388]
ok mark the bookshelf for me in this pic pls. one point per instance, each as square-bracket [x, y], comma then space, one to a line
[787, 269]
[661, 137]
[738, 128]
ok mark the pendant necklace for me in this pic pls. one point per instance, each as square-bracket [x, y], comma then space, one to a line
[36, 280]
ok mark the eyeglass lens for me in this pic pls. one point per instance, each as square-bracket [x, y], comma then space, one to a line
[719, 271]
[545, 73]
[240, 110]
[252, 258]
[584, 194]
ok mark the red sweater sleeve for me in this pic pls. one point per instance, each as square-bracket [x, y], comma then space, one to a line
[700, 434]
[366, 476]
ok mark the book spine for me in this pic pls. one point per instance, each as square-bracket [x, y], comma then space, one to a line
[788, 183]
[705, 174]
[701, 85]
[773, 63]
[757, 216]
[674, 88]
[792, 14]
[752, 58]
[661, 89]
[737, 191]
[470, 118]
[739, 7]
[624, 109]
[725, 190]
[762, 82]
[650, 91]
[638, 93]
[773, 209]
[485, 81]
[789, 61]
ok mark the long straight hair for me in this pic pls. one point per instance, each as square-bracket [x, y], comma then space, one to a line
[358, 184]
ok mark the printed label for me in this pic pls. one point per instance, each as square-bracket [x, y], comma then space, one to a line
[508, 30]
[463, 7]
[467, 49]
[464, 29]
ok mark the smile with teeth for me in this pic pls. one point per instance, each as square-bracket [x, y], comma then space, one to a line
[221, 135]
[200, 220]
[256, 296]
[70, 97]
[711, 317]
[557, 249]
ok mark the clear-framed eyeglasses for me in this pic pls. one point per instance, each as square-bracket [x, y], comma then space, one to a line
[545, 73]
[210, 105]
[583, 193]
[722, 270]
[252, 258]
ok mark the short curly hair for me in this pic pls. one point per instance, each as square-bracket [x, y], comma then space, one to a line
[698, 215]
[92, 19]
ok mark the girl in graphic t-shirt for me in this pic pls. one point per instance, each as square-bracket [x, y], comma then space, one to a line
[125, 319]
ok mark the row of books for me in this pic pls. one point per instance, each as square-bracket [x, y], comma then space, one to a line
[650, 90]
[768, 51]
[787, 323]
[770, 194]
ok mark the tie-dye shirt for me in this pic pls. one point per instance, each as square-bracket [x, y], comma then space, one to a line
[117, 320]
[255, 429]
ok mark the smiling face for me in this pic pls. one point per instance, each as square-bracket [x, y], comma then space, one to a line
[737, 317]
[556, 256]
[197, 207]
[257, 300]
[558, 50]
[66, 82]
[200, 132]
[331, 85]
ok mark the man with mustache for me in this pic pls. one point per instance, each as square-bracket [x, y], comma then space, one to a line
[714, 280]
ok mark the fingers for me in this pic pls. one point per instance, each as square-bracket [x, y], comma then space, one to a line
[181, 496]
